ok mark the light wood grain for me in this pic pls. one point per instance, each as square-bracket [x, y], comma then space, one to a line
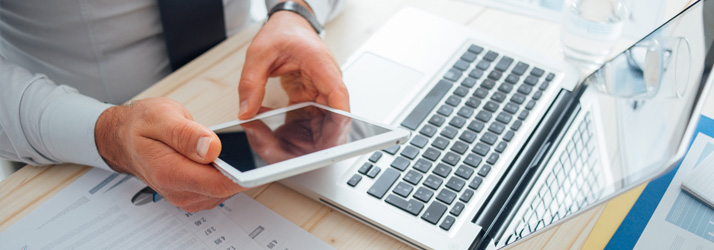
[208, 88]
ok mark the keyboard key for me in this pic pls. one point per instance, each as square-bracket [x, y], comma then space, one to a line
[537, 72]
[462, 65]
[427, 130]
[431, 154]
[364, 169]
[376, 155]
[473, 160]
[413, 207]
[489, 138]
[418, 141]
[516, 125]
[373, 172]
[518, 98]
[415, 118]
[400, 163]
[523, 115]
[505, 87]
[455, 184]
[483, 65]
[458, 207]
[537, 95]
[412, 177]
[453, 100]
[449, 132]
[410, 152]
[550, 77]
[442, 170]
[440, 143]
[464, 172]
[525, 89]
[437, 120]
[490, 56]
[490, 106]
[530, 104]
[476, 126]
[465, 112]
[457, 122]
[484, 170]
[508, 136]
[468, 82]
[500, 147]
[451, 158]
[422, 165]
[473, 102]
[459, 147]
[434, 212]
[466, 196]
[383, 183]
[461, 91]
[446, 196]
[469, 56]
[544, 85]
[504, 63]
[488, 84]
[475, 49]
[354, 180]
[475, 182]
[445, 110]
[481, 149]
[492, 159]
[453, 75]
[520, 68]
[447, 223]
[468, 136]
[498, 97]
[496, 128]
[504, 118]
[391, 150]
[531, 80]
[511, 108]
[483, 116]
[433, 182]
[495, 75]
[481, 93]
[423, 194]
[476, 73]
[403, 189]
[512, 79]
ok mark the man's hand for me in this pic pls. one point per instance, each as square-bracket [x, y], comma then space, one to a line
[287, 46]
[157, 140]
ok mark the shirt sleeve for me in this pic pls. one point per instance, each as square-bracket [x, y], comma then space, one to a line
[324, 10]
[42, 123]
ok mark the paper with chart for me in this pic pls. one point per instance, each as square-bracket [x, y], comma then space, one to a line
[700, 183]
[681, 221]
[103, 210]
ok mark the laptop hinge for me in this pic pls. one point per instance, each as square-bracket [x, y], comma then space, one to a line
[511, 186]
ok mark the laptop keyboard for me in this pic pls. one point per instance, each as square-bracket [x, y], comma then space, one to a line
[571, 184]
[461, 127]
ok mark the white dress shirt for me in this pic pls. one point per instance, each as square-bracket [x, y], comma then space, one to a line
[100, 52]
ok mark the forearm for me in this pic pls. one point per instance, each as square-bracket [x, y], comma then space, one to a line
[42, 123]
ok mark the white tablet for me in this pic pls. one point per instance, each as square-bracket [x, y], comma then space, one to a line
[296, 139]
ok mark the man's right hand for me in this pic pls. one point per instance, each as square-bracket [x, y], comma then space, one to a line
[157, 140]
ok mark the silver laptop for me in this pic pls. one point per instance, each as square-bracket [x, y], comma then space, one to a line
[506, 142]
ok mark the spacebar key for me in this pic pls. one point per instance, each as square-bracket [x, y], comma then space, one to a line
[426, 105]
[382, 185]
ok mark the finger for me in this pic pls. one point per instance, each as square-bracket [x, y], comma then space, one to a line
[203, 205]
[251, 88]
[185, 136]
[186, 175]
[327, 78]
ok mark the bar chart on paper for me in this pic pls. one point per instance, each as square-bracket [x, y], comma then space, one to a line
[691, 214]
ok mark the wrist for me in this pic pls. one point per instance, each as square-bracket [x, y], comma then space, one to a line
[301, 9]
[107, 139]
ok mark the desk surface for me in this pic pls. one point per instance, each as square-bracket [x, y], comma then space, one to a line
[213, 78]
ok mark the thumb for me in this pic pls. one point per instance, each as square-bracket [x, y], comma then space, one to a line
[189, 138]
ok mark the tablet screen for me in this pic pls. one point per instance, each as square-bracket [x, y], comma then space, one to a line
[288, 135]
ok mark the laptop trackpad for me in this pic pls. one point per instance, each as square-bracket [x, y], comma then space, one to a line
[378, 86]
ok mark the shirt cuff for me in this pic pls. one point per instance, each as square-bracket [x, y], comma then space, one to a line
[321, 10]
[69, 125]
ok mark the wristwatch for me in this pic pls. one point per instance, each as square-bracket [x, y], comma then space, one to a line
[300, 10]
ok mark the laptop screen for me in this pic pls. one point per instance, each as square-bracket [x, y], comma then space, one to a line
[639, 106]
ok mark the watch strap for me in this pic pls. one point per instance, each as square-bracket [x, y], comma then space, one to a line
[300, 10]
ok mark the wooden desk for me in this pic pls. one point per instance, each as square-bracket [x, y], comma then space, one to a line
[208, 88]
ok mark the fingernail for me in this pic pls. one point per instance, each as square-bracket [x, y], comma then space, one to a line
[202, 146]
[243, 107]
